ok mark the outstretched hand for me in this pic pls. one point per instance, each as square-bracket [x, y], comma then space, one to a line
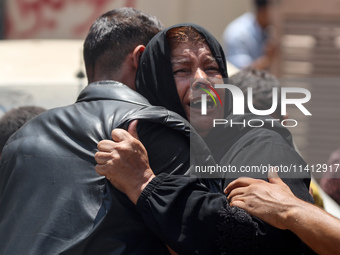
[268, 201]
[124, 162]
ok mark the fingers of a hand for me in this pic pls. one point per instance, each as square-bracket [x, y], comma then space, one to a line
[237, 199]
[101, 170]
[273, 176]
[236, 192]
[239, 203]
[132, 129]
[106, 145]
[240, 182]
[120, 135]
[102, 158]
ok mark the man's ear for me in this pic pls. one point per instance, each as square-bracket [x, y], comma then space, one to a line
[136, 55]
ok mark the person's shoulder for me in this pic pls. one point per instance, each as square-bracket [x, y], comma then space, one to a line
[241, 23]
[108, 90]
[263, 145]
[270, 134]
[238, 29]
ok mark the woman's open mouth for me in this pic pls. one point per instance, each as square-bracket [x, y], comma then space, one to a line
[197, 103]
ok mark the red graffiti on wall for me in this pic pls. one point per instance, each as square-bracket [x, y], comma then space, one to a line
[40, 11]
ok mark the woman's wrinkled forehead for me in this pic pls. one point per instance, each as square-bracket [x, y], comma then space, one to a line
[183, 52]
[187, 34]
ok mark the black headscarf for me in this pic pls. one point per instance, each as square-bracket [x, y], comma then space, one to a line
[155, 79]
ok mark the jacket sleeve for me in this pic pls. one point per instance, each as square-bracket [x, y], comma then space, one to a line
[192, 220]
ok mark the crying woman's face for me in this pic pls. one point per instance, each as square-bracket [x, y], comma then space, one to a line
[196, 72]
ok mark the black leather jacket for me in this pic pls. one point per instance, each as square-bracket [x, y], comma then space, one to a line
[51, 199]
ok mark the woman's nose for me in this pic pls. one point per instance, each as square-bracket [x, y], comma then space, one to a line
[199, 84]
[200, 80]
[200, 74]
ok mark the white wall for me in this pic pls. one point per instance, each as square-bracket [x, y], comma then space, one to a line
[71, 19]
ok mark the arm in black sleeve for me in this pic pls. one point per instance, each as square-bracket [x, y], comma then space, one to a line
[192, 220]
[168, 149]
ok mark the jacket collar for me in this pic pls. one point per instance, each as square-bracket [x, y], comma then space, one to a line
[110, 90]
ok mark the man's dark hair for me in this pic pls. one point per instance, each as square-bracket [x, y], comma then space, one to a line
[14, 120]
[116, 33]
[261, 3]
[262, 83]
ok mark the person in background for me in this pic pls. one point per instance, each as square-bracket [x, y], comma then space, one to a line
[262, 83]
[246, 40]
[14, 119]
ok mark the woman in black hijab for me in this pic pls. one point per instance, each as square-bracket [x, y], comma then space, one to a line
[155, 76]
[156, 79]
[179, 210]
[159, 79]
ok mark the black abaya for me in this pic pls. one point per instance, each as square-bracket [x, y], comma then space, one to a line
[184, 213]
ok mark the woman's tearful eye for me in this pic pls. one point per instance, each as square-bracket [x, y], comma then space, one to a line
[181, 71]
[212, 69]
